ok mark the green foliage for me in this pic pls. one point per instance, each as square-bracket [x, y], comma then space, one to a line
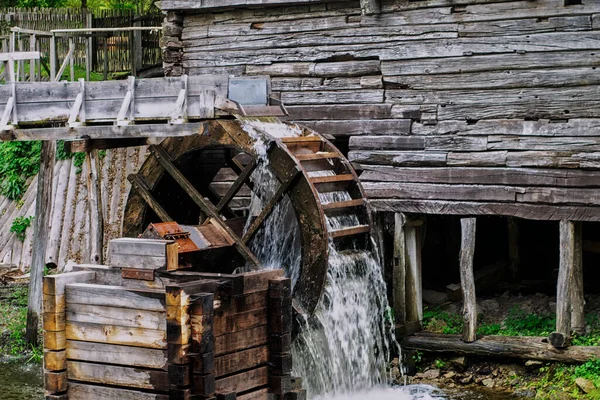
[78, 160]
[589, 370]
[19, 226]
[435, 320]
[13, 321]
[440, 364]
[18, 161]
[592, 337]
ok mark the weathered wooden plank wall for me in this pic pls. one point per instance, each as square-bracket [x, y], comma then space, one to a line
[450, 106]
[70, 215]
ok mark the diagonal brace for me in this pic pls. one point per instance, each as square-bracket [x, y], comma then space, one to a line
[237, 185]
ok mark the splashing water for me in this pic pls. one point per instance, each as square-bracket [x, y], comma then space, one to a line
[346, 345]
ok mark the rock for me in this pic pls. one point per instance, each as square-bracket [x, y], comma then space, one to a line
[434, 298]
[490, 305]
[533, 364]
[527, 393]
[584, 384]
[488, 383]
[552, 307]
[505, 295]
[460, 363]
[450, 375]
[395, 362]
[467, 379]
[395, 373]
[431, 374]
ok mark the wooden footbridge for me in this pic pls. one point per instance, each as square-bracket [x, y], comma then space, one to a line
[169, 316]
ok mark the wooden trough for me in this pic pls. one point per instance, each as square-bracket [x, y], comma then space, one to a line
[139, 331]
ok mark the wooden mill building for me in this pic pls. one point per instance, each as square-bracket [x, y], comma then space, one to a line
[486, 110]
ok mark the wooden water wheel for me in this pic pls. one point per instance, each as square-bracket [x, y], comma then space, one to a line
[177, 183]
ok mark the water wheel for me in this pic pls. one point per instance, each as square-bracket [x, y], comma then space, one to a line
[178, 183]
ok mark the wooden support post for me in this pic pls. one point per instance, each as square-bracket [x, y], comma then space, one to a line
[467, 279]
[280, 324]
[577, 293]
[513, 248]
[414, 287]
[105, 60]
[32, 44]
[72, 59]
[89, 43]
[96, 208]
[399, 271]
[570, 260]
[40, 239]
[52, 58]
[179, 340]
[54, 323]
[203, 359]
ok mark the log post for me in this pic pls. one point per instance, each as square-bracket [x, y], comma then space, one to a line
[40, 240]
[54, 323]
[178, 342]
[203, 359]
[467, 279]
[577, 293]
[570, 260]
[96, 208]
[414, 289]
[280, 328]
[513, 248]
[399, 271]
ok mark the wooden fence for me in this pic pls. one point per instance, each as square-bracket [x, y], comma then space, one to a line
[116, 46]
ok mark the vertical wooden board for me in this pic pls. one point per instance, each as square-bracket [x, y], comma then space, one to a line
[114, 375]
[578, 323]
[399, 270]
[81, 391]
[244, 381]
[467, 279]
[414, 294]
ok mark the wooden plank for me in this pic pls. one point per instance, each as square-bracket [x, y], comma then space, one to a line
[80, 391]
[55, 340]
[262, 394]
[467, 280]
[340, 111]
[399, 270]
[361, 127]
[488, 176]
[142, 188]
[241, 360]
[55, 382]
[233, 342]
[578, 323]
[425, 191]
[121, 335]
[55, 285]
[115, 375]
[317, 156]
[55, 361]
[413, 279]
[115, 296]
[339, 205]
[239, 322]
[115, 354]
[540, 212]
[339, 233]
[131, 317]
[320, 69]
[245, 381]
[131, 246]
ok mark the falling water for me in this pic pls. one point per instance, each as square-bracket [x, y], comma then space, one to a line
[344, 347]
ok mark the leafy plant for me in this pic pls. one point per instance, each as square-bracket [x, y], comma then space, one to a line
[19, 226]
[435, 320]
[439, 363]
[589, 370]
[18, 161]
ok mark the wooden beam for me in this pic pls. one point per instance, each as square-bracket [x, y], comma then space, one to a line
[283, 188]
[399, 270]
[235, 187]
[165, 160]
[142, 188]
[467, 279]
[86, 145]
[96, 214]
[527, 348]
[570, 258]
[40, 240]
[414, 286]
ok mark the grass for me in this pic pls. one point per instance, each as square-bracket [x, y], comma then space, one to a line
[13, 320]
[79, 73]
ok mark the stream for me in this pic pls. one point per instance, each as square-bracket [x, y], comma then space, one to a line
[22, 381]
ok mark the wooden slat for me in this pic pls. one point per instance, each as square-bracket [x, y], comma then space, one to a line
[244, 381]
[115, 296]
[81, 391]
[114, 375]
[233, 342]
[241, 360]
[332, 179]
[343, 204]
[121, 335]
[317, 156]
[350, 231]
[131, 317]
[116, 354]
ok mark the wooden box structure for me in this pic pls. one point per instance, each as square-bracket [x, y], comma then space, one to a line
[138, 331]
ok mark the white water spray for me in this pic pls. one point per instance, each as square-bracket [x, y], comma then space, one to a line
[346, 345]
